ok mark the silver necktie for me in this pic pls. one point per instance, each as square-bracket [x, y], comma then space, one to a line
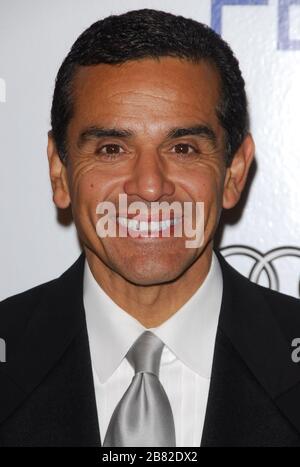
[143, 417]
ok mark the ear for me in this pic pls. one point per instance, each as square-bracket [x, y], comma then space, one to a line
[58, 175]
[237, 173]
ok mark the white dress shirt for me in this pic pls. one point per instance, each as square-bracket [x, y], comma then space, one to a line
[186, 361]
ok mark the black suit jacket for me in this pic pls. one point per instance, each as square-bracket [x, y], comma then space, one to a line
[46, 386]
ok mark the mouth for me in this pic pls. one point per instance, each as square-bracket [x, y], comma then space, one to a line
[148, 227]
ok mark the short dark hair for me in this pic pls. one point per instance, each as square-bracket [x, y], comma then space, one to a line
[148, 33]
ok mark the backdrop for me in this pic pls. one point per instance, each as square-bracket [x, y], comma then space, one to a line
[260, 237]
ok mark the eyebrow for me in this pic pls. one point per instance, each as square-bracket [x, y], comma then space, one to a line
[94, 132]
[197, 130]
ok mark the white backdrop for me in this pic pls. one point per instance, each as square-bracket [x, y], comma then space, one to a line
[35, 35]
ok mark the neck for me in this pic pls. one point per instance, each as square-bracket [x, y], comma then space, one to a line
[150, 305]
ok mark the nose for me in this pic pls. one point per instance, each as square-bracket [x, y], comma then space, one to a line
[148, 179]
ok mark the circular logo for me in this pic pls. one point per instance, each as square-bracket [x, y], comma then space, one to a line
[263, 262]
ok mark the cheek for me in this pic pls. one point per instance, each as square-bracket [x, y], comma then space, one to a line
[90, 185]
[205, 187]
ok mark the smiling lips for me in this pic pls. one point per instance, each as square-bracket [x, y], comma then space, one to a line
[147, 226]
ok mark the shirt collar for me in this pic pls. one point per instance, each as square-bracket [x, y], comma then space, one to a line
[189, 333]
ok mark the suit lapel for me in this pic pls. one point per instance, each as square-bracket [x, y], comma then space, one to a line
[55, 343]
[252, 372]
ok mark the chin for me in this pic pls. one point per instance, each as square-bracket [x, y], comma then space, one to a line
[151, 272]
[149, 279]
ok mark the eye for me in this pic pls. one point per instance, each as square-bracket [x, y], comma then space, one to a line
[111, 150]
[184, 149]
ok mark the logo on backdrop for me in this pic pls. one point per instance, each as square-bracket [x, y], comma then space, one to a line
[264, 262]
[284, 17]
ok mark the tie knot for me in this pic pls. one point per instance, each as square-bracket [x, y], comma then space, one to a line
[145, 354]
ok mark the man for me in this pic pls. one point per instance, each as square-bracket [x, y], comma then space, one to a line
[151, 106]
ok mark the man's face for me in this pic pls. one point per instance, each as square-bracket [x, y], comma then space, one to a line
[147, 158]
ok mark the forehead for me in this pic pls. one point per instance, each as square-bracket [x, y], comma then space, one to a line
[146, 89]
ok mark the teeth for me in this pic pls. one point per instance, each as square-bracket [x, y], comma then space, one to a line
[144, 226]
[122, 221]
